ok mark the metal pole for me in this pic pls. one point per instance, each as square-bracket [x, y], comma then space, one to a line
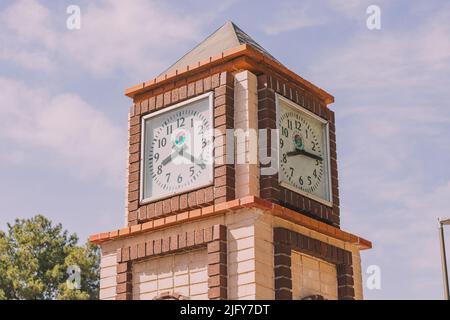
[444, 261]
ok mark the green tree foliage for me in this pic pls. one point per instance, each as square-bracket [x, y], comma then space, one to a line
[35, 257]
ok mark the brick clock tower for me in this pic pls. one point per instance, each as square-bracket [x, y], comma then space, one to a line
[232, 185]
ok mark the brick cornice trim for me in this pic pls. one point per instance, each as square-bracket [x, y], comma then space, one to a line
[244, 50]
[213, 238]
[285, 241]
[222, 208]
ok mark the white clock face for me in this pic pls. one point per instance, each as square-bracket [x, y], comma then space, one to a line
[178, 149]
[303, 151]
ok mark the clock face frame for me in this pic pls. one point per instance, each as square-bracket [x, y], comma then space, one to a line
[177, 149]
[303, 156]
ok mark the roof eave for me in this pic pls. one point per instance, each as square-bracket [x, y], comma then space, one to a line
[227, 55]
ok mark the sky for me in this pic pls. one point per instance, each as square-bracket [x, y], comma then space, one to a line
[63, 113]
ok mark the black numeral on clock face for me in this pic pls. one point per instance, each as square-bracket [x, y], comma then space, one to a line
[162, 142]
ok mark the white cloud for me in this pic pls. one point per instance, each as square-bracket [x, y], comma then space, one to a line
[296, 15]
[129, 36]
[393, 125]
[73, 135]
[293, 16]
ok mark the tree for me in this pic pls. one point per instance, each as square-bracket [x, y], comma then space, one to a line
[35, 257]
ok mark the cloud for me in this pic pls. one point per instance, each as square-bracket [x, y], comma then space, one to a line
[71, 132]
[292, 16]
[296, 15]
[393, 125]
[133, 37]
[396, 57]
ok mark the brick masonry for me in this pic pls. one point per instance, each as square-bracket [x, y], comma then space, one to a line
[287, 240]
[268, 86]
[223, 188]
[213, 238]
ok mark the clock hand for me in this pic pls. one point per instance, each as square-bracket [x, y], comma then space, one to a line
[173, 155]
[192, 158]
[305, 153]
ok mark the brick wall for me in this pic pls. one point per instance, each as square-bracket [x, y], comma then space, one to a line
[140, 257]
[184, 274]
[312, 276]
[268, 86]
[223, 188]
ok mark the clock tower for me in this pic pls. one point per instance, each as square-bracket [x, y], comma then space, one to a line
[232, 189]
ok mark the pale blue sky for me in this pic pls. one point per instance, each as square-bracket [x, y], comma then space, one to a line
[63, 115]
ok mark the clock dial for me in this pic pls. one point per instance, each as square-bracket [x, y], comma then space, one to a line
[178, 149]
[303, 152]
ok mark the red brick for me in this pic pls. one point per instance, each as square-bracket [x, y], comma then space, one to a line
[217, 281]
[191, 89]
[173, 243]
[134, 157]
[192, 199]
[182, 92]
[182, 240]
[158, 209]
[175, 203]
[125, 254]
[207, 83]
[219, 232]
[141, 250]
[135, 129]
[135, 138]
[199, 237]
[166, 244]
[149, 248]
[216, 246]
[124, 277]
[142, 213]
[124, 296]
[209, 195]
[132, 206]
[199, 86]
[175, 95]
[123, 267]
[217, 293]
[217, 269]
[190, 239]
[217, 257]
[150, 210]
[144, 106]
[133, 186]
[167, 98]
[159, 101]
[157, 246]
[133, 252]
[134, 148]
[166, 206]
[123, 287]
[215, 80]
[183, 202]
[151, 103]
[200, 197]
